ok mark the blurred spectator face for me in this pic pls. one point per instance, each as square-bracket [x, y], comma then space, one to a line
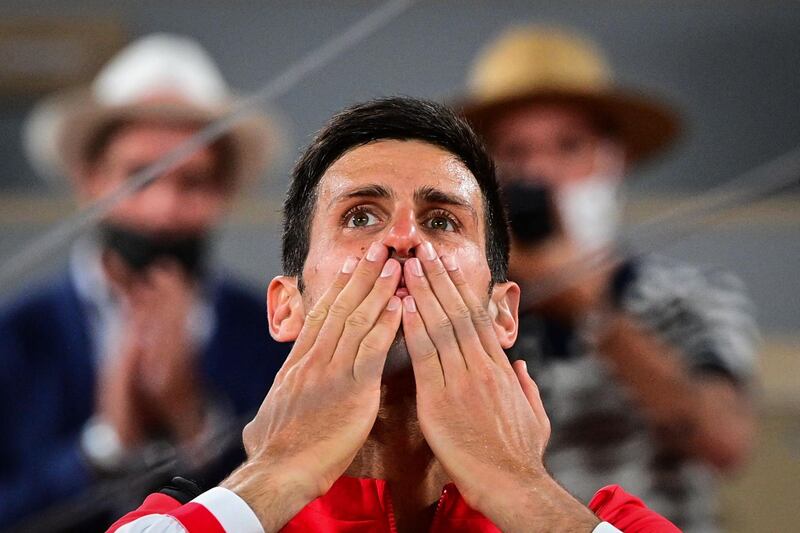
[553, 145]
[559, 149]
[189, 199]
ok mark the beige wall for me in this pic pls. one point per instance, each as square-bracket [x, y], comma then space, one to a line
[765, 495]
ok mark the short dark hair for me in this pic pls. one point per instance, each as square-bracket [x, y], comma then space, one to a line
[396, 118]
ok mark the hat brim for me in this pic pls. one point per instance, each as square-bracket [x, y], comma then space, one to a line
[62, 128]
[643, 124]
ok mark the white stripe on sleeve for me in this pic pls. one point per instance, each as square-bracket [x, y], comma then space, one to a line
[153, 523]
[605, 527]
[232, 512]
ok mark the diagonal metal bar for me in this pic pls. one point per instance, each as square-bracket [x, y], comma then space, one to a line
[54, 239]
[688, 218]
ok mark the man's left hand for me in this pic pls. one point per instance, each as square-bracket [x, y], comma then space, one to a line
[483, 418]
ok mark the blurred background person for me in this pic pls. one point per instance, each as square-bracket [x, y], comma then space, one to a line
[727, 67]
[645, 367]
[140, 340]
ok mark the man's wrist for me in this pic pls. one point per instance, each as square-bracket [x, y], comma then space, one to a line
[544, 504]
[274, 495]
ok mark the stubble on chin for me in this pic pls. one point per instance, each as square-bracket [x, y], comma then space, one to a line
[397, 415]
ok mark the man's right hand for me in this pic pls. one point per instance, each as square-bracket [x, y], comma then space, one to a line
[325, 399]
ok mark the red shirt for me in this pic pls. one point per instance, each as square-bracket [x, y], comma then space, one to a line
[357, 505]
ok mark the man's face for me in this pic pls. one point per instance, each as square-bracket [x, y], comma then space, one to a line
[552, 144]
[558, 147]
[399, 193]
[187, 200]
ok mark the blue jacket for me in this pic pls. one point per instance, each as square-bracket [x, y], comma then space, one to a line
[48, 375]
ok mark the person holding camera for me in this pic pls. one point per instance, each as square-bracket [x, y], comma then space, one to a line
[645, 365]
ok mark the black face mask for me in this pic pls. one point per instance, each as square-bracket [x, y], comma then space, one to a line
[141, 250]
[531, 212]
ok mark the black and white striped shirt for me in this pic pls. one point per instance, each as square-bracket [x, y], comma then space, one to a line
[599, 435]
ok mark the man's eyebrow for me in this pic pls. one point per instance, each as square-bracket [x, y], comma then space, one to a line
[367, 191]
[432, 195]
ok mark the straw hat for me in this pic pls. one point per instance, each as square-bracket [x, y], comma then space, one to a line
[534, 64]
[160, 78]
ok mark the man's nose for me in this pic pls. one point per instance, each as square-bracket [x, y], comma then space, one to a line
[543, 168]
[162, 205]
[403, 235]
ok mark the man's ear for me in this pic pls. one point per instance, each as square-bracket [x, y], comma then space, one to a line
[503, 308]
[285, 309]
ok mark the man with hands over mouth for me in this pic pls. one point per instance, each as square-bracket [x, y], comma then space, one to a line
[397, 408]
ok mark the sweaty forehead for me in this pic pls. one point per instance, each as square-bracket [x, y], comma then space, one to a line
[403, 167]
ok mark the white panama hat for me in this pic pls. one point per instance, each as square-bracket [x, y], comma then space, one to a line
[159, 78]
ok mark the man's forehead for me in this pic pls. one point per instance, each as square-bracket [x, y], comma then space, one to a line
[552, 115]
[401, 168]
[151, 140]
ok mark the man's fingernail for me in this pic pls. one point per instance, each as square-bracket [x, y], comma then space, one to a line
[428, 252]
[394, 304]
[349, 264]
[449, 262]
[389, 268]
[410, 304]
[374, 251]
[415, 266]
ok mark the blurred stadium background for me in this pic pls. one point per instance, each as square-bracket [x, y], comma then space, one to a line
[732, 67]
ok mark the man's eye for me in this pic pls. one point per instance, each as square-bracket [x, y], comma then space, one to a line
[361, 219]
[440, 223]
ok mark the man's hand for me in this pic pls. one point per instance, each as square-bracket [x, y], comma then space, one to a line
[118, 401]
[151, 382]
[325, 399]
[168, 379]
[482, 418]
